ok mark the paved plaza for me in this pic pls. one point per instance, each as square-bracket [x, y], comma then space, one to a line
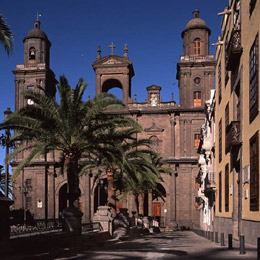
[182, 245]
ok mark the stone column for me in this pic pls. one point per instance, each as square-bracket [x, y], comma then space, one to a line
[173, 123]
[98, 84]
[150, 203]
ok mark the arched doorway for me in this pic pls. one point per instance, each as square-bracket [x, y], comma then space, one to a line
[156, 203]
[63, 197]
[100, 194]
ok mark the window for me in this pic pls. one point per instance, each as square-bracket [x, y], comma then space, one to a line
[220, 140]
[32, 53]
[196, 46]
[219, 83]
[252, 6]
[196, 81]
[254, 173]
[227, 115]
[227, 188]
[28, 183]
[226, 60]
[237, 15]
[30, 88]
[253, 88]
[220, 192]
[154, 143]
[197, 99]
[196, 140]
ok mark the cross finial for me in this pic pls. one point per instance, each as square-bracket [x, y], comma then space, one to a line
[37, 16]
[112, 46]
[99, 52]
[125, 51]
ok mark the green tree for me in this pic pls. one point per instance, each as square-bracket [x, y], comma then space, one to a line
[73, 128]
[114, 163]
[142, 172]
[6, 37]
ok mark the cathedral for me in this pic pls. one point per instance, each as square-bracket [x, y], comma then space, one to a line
[173, 129]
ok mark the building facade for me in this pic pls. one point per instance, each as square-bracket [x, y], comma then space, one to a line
[173, 129]
[206, 179]
[238, 121]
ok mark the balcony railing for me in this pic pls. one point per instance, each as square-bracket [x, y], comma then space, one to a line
[233, 135]
[210, 180]
[234, 50]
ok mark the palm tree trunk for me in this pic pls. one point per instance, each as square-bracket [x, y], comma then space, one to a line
[111, 202]
[137, 204]
[141, 205]
[73, 180]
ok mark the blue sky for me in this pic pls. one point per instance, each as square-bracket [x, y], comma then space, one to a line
[151, 28]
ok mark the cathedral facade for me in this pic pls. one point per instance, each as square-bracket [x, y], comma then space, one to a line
[173, 129]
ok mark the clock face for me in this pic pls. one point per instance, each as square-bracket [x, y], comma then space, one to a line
[197, 80]
[30, 102]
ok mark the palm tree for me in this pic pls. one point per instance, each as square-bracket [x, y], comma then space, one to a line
[71, 127]
[142, 175]
[6, 37]
[2, 185]
[115, 161]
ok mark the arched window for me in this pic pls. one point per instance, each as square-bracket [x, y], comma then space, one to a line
[32, 53]
[196, 46]
[155, 143]
[197, 99]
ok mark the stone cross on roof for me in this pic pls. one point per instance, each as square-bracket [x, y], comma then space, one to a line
[112, 46]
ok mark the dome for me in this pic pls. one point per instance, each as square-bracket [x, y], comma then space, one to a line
[36, 32]
[196, 23]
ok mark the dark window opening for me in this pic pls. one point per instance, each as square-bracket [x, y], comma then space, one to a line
[254, 173]
[227, 188]
[253, 75]
[220, 192]
[32, 53]
[252, 6]
[220, 139]
[219, 83]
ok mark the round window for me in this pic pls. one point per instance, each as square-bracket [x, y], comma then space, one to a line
[197, 80]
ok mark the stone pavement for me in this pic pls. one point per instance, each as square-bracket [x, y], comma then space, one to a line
[181, 245]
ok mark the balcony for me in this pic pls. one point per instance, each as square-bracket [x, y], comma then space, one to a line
[234, 50]
[232, 135]
[210, 181]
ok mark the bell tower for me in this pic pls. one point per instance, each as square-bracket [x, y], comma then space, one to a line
[196, 69]
[114, 71]
[35, 71]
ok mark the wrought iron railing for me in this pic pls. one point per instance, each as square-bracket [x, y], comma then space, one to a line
[210, 180]
[232, 135]
[234, 49]
[41, 226]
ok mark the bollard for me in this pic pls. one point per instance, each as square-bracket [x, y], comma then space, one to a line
[222, 243]
[242, 245]
[212, 236]
[230, 246]
[258, 248]
[216, 237]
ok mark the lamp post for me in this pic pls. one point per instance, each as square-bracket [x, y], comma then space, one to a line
[25, 189]
[7, 145]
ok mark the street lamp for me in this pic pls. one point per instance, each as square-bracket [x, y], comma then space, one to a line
[7, 139]
[25, 189]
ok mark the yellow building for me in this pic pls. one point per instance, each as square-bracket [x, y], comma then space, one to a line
[238, 121]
